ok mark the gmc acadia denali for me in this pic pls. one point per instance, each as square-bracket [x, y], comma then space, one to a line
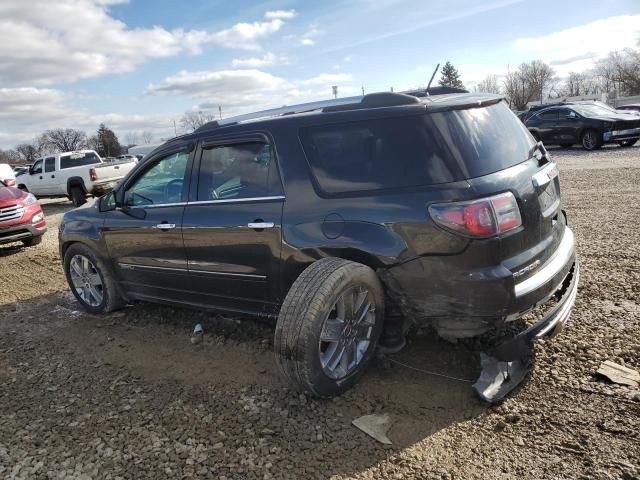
[348, 221]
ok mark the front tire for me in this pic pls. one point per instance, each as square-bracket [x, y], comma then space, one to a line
[78, 197]
[329, 326]
[90, 280]
[591, 140]
[628, 143]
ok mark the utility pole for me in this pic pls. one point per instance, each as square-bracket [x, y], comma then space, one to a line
[334, 88]
[362, 90]
[175, 130]
[220, 111]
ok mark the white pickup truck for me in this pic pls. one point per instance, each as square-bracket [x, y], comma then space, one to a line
[74, 175]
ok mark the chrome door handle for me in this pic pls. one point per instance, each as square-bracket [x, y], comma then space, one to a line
[165, 226]
[260, 225]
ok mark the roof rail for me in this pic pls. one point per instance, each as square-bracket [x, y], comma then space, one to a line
[372, 100]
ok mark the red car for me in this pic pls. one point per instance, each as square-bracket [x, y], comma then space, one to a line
[21, 218]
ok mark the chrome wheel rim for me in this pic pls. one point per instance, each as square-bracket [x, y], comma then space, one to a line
[589, 140]
[86, 280]
[346, 332]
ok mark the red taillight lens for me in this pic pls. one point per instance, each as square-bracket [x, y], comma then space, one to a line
[479, 218]
[92, 174]
[10, 182]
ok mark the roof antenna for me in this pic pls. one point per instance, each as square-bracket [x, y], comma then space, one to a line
[426, 90]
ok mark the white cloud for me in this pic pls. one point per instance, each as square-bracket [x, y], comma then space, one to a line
[307, 42]
[576, 48]
[327, 79]
[246, 35]
[267, 60]
[27, 112]
[282, 14]
[45, 42]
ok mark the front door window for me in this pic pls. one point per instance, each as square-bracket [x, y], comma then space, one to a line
[162, 184]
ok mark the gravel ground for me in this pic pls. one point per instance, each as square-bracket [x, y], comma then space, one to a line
[128, 396]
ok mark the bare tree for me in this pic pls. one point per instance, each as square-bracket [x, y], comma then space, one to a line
[531, 81]
[191, 121]
[28, 152]
[64, 139]
[131, 138]
[147, 137]
[489, 85]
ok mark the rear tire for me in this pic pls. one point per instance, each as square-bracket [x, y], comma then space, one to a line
[33, 241]
[90, 280]
[329, 326]
[628, 143]
[78, 197]
[591, 140]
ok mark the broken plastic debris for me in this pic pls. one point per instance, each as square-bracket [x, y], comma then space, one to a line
[376, 426]
[619, 374]
[498, 378]
[196, 336]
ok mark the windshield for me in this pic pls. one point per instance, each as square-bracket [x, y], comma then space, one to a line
[592, 110]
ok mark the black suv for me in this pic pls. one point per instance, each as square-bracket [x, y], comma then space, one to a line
[589, 124]
[348, 221]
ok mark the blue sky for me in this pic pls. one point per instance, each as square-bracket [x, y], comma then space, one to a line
[138, 65]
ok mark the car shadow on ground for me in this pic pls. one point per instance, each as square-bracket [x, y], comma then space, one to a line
[56, 206]
[232, 373]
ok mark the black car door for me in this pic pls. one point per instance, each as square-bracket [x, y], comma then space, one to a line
[232, 224]
[567, 126]
[144, 237]
[547, 125]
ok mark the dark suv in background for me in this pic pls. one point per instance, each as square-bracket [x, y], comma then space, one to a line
[588, 124]
[347, 221]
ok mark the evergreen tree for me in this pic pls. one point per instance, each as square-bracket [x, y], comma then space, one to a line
[450, 77]
[105, 142]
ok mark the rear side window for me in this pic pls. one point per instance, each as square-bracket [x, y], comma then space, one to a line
[236, 171]
[416, 150]
[549, 115]
[78, 160]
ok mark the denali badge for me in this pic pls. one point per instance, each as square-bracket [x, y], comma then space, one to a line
[526, 269]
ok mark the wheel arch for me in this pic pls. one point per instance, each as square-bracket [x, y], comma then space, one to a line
[75, 182]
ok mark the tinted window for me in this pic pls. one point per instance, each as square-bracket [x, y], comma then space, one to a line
[415, 150]
[50, 164]
[78, 159]
[241, 170]
[161, 184]
[549, 115]
[37, 167]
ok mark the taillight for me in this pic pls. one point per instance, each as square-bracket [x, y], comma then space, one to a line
[93, 175]
[479, 218]
[10, 182]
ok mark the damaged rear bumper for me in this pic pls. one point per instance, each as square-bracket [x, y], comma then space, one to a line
[506, 365]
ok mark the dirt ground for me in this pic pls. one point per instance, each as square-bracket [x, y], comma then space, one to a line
[127, 395]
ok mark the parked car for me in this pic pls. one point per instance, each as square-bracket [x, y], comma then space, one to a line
[588, 124]
[7, 175]
[142, 151]
[127, 156]
[21, 218]
[632, 107]
[348, 223]
[75, 175]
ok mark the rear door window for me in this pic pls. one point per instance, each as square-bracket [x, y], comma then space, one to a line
[237, 171]
[418, 150]
[78, 160]
[50, 165]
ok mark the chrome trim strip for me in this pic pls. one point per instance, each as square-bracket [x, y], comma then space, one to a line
[551, 268]
[158, 205]
[229, 274]
[545, 175]
[563, 315]
[151, 267]
[238, 200]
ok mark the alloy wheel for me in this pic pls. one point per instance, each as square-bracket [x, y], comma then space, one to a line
[346, 332]
[86, 280]
[589, 140]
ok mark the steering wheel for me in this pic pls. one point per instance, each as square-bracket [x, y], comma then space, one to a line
[173, 189]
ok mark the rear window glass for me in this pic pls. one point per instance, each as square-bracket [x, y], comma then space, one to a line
[78, 159]
[415, 150]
